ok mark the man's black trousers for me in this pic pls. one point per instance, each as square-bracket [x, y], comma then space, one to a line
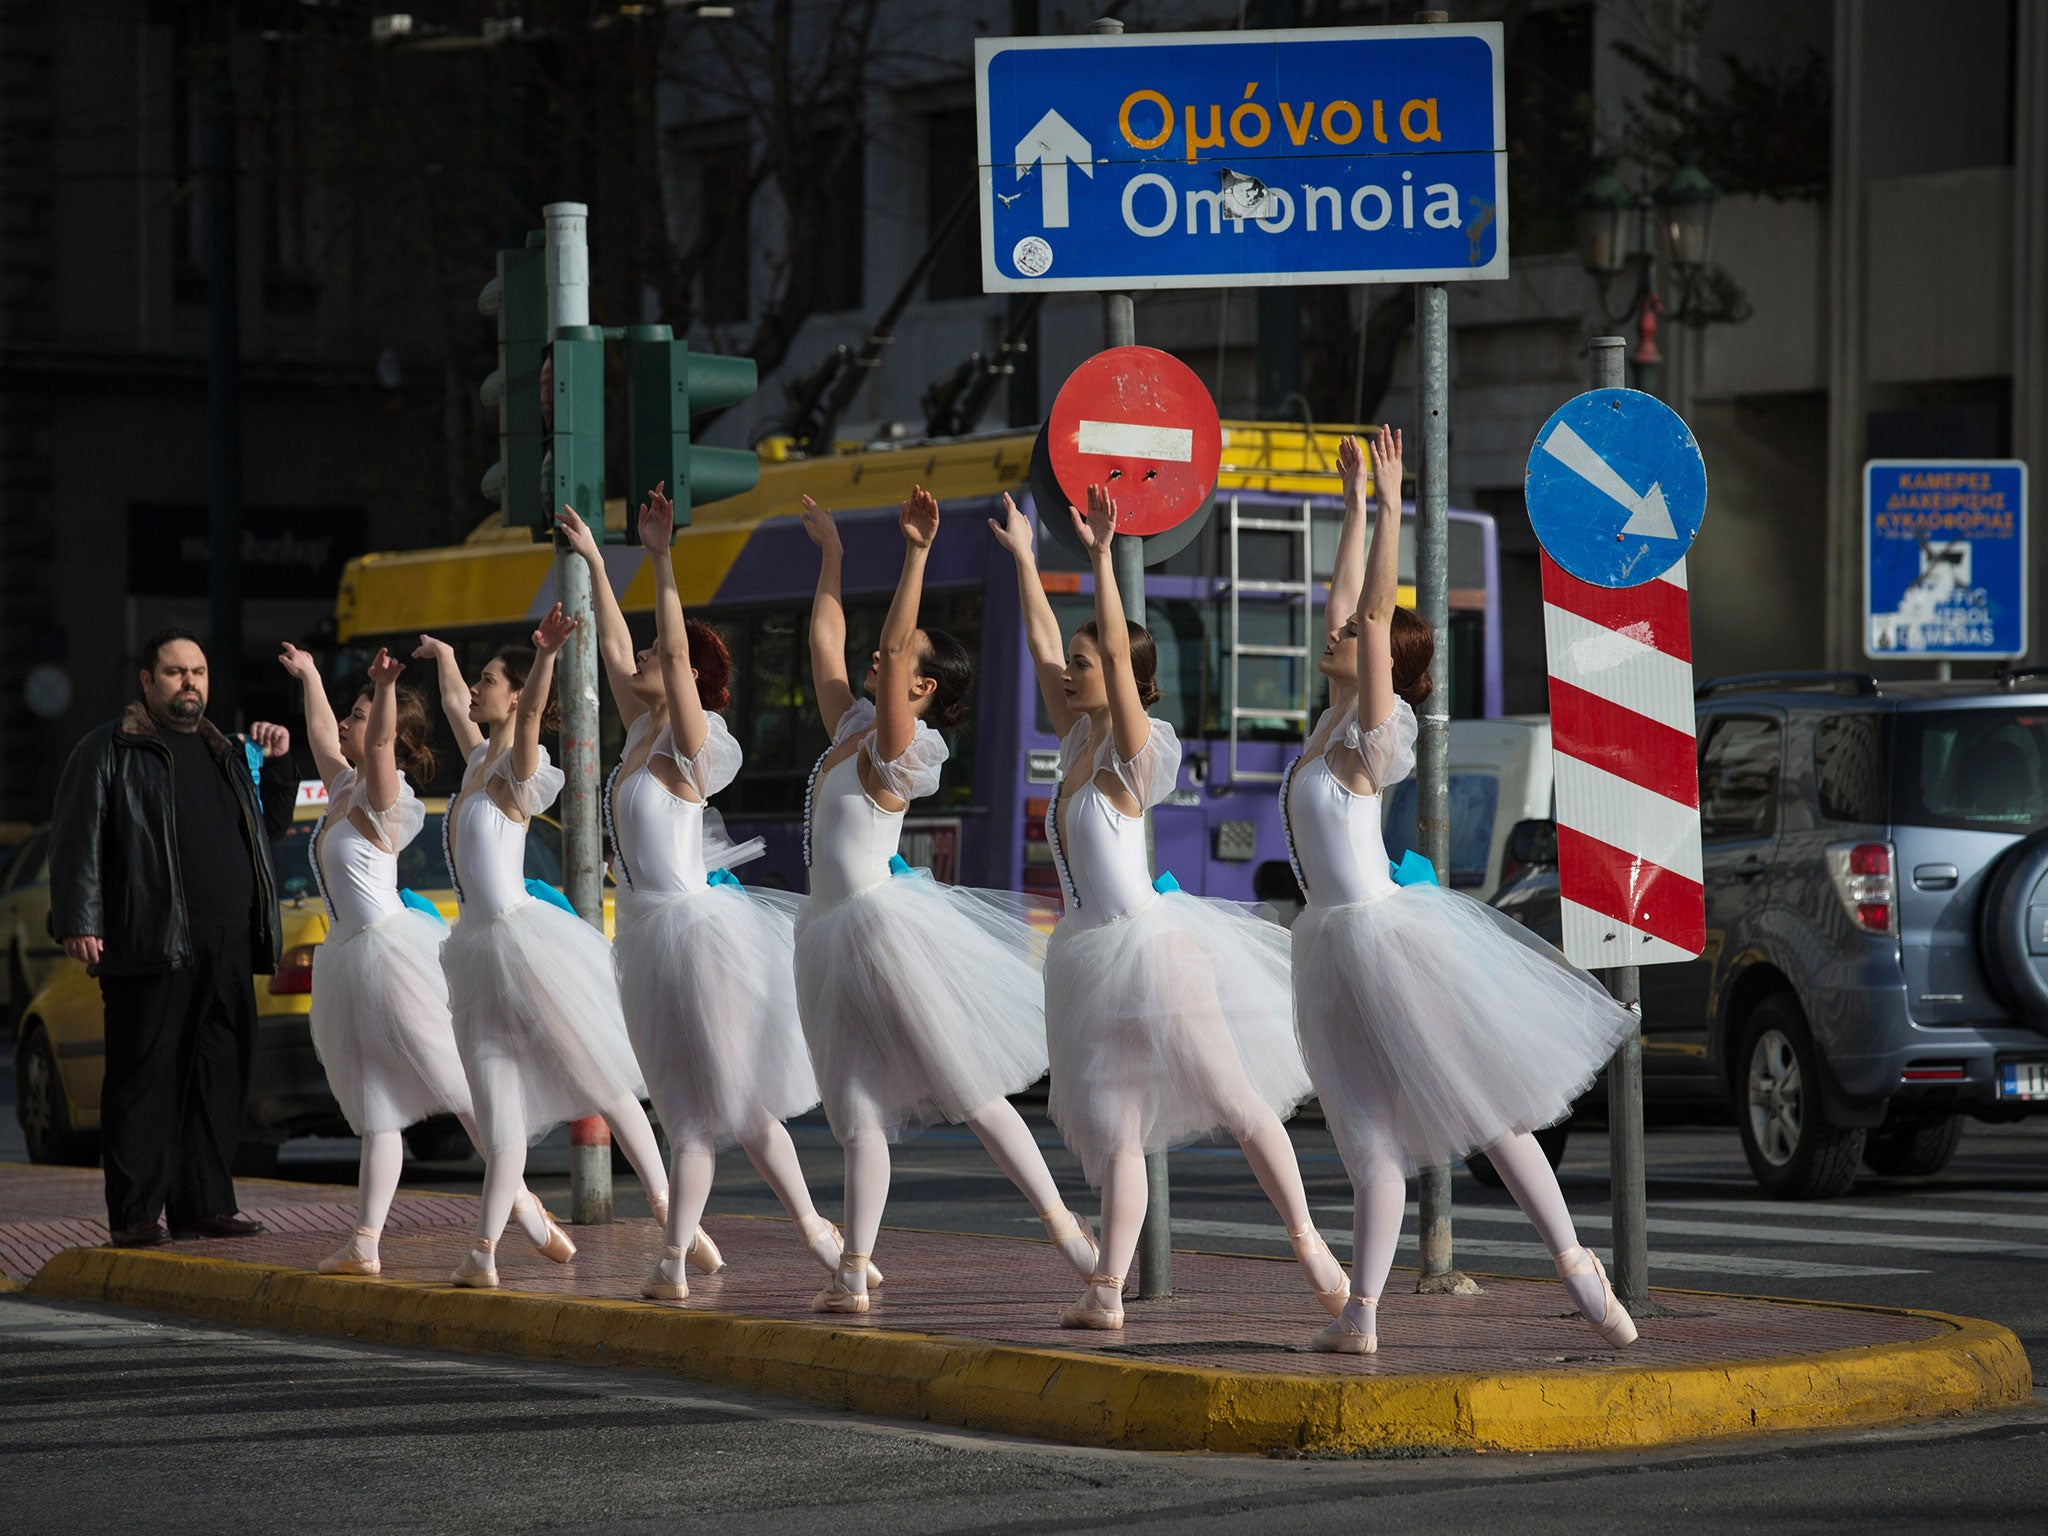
[171, 1107]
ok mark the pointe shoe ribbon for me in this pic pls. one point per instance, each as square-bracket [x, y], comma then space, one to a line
[556, 1245]
[1085, 1314]
[1614, 1324]
[827, 1243]
[1307, 1242]
[1344, 1336]
[1073, 1237]
[703, 1255]
[659, 1286]
[839, 1296]
[482, 1276]
[357, 1256]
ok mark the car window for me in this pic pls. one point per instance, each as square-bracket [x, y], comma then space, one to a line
[1848, 767]
[1475, 798]
[1983, 769]
[1739, 778]
[30, 864]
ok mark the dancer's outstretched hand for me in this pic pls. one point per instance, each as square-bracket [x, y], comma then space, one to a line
[919, 518]
[1014, 531]
[299, 663]
[430, 649]
[1350, 462]
[576, 533]
[819, 525]
[385, 670]
[1386, 465]
[554, 631]
[1098, 528]
[657, 519]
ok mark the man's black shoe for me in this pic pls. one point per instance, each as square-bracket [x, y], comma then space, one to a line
[220, 1226]
[147, 1236]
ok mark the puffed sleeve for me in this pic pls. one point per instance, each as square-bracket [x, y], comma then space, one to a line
[537, 791]
[717, 762]
[1154, 769]
[914, 772]
[398, 823]
[858, 718]
[1073, 744]
[1388, 749]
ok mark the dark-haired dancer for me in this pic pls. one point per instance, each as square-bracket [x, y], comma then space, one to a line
[921, 1003]
[380, 1018]
[1166, 1014]
[704, 970]
[536, 1005]
[1432, 1024]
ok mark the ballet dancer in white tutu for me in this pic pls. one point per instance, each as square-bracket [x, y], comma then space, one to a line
[1166, 1014]
[704, 970]
[921, 1002]
[536, 1004]
[1432, 1024]
[380, 1002]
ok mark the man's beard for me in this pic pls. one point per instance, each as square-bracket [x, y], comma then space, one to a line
[185, 708]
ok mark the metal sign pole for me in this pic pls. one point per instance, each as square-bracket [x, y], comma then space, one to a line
[1625, 1071]
[590, 1151]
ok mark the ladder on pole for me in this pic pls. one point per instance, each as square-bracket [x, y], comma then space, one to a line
[1303, 655]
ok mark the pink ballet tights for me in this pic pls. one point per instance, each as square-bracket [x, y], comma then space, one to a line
[773, 1154]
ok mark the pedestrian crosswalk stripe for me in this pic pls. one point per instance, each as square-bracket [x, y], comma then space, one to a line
[1998, 1220]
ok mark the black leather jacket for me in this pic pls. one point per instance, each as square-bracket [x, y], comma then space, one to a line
[114, 858]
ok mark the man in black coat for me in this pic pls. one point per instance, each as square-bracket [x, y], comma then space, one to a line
[161, 882]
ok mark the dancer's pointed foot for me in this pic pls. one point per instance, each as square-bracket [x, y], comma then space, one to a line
[703, 1254]
[1101, 1306]
[667, 1281]
[1585, 1281]
[479, 1266]
[1071, 1234]
[554, 1243]
[826, 1243]
[357, 1256]
[843, 1294]
[657, 1206]
[1355, 1332]
[1326, 1276]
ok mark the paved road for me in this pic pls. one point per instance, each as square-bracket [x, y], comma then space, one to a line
[142, 1426]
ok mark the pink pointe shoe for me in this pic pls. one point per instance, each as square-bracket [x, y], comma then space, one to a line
[826, 1243]
[1614, 1323]
[479, 1267]
[1355, 1332]
[839, 1296]
[1308, 1244]
[702, 1255]
[666, 1281]
[1071, 1235]
[357, 1256]
[557, 1245]
[1086, 1314]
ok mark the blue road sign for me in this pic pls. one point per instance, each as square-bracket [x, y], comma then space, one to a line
[1944, 558]
[1205, 160]
[1616, 487]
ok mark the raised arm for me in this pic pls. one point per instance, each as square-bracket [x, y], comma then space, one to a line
[322, 734]
[379, 765]
[454, 692]
[1041, 628]
[614, 639]
[828, 620]
[895, 725]
[1347, 574]
[1128, 722]
[553, 634]
[686, 719]
[1382, 585]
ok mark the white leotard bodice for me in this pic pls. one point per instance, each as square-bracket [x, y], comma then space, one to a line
[359, 880]
[1333, 834]
[658, 835]
[488, 848]
[848, 839]
[1098, 850]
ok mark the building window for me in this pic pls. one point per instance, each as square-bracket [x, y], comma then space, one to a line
[725, 199]
[842, 256]
[950, 174]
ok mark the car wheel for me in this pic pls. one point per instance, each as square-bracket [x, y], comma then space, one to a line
[1914, 1148]
[43, 1110]
[1793, 1150]
[1551, 1139]
[439, 1140]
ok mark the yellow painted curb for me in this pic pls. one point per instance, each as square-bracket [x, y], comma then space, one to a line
[1090, 1399]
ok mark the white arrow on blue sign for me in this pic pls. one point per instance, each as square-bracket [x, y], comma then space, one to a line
[1335, 155]
[1616, 487]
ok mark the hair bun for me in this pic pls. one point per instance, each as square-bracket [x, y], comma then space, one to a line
[1417, 691]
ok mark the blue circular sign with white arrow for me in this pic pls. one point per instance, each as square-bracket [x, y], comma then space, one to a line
[1616, 487]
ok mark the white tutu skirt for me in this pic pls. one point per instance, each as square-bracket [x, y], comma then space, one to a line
[921, 1003]
[537, 1019]
[710, 996]
[1167, 1025]
[1434, 1025]
[381, 1026]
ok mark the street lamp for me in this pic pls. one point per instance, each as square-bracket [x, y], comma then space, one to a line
[1619, 229]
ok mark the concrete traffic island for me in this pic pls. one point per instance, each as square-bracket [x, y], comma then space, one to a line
[964, 1333]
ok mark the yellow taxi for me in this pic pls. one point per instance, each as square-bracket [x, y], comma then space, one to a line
[60, 1044]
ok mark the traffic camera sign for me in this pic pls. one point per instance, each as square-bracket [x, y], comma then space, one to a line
[1944, 559]
[1199, 160]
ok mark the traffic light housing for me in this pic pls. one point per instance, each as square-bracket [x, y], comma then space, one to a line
[576, 462]
[665, 384]
[518, 298]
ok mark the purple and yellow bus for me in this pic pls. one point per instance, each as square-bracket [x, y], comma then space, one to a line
[1234, 615]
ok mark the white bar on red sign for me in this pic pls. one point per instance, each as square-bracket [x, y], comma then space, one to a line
[1128, 440]
[1621, 724]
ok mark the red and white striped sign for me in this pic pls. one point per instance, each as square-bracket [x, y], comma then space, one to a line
[1628, 788]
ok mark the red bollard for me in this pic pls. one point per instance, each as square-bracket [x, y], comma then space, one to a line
[590, 1171]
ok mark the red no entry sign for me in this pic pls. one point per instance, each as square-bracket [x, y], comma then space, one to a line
[1138, 421]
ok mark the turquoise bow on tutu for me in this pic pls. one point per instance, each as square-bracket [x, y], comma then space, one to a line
[723, 877]
[419, 903]
[1164, 882]
[540, 890]
[898, 865]
[1414, 869]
